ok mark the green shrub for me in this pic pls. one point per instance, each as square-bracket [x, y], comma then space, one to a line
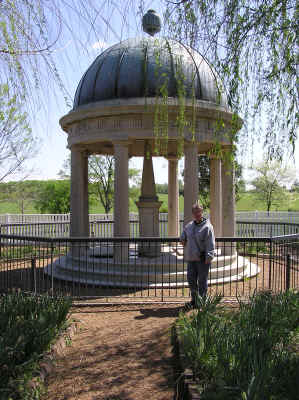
[238, 355]
[28, 325]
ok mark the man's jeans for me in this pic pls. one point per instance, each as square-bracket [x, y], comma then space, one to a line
[197, 275]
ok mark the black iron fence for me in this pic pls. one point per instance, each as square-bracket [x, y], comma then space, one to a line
[104, 229]
[268, 229]
[143, 268]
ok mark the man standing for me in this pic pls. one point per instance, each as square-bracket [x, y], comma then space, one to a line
[198, 240]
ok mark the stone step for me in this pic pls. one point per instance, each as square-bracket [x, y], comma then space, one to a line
[167, 262]
[63, 269]
[91, 266]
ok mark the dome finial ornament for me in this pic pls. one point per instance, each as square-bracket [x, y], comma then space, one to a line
[151, 22]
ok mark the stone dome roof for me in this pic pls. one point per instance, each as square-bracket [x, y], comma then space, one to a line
[145, 67]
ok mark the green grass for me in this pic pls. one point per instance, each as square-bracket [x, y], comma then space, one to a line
[11, 207]
[247, 202]
[95, 208]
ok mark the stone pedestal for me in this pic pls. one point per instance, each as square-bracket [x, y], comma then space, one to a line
[173, 198]
[190, 180]
[149, 227]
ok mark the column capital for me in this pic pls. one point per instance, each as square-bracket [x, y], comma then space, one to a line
[172, 157]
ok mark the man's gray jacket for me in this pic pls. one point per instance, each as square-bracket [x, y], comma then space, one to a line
[200, 241]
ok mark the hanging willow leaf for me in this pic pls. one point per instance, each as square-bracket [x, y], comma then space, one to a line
[254, 47]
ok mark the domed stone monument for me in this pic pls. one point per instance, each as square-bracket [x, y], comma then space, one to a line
[131, 91]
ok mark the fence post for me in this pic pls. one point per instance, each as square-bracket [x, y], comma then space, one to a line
[270, 264]
[33, 275]
[288, 272]
[52, 260]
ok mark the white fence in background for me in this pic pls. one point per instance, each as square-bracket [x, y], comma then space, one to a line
[256, 216]
[271, 216]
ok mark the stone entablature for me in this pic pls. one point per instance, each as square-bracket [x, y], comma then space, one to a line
[133, 120]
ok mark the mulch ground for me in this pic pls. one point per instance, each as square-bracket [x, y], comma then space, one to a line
[120, 353]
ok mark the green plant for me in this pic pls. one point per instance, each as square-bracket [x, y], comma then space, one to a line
[28, 326]
[183, 118]
[238, 355]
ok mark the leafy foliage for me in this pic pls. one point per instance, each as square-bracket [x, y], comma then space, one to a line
[28, 325]
[17, 144]
[101, 179]
[101, 174]
[270, 181]
[54, 197]
[237, 355]
[204, 180]
[254, 47]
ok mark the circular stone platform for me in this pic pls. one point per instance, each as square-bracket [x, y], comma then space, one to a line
[98, 267]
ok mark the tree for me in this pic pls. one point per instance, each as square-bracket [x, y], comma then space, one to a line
[101, 179]
[295, 186]
[252, 44]
[54, 197]
[22, 193]
[254, 48]
[162, 188]
[39, 41]
[270, 180]
[101, 175]
[17, 144]
[204, 180]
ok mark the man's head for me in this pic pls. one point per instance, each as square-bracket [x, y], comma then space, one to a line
[197, 211]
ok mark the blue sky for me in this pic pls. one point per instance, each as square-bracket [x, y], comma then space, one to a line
[72, 64]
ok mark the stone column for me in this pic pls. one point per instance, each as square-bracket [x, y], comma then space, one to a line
[216, 196]
[173, 198]
[228, 207]
[121, 200]
[79, 194]
[228, 199]
[121, 190]
[190, 180]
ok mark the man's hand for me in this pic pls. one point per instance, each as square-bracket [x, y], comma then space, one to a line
[183, 242]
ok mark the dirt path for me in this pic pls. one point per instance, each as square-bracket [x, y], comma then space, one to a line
[121, 353]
